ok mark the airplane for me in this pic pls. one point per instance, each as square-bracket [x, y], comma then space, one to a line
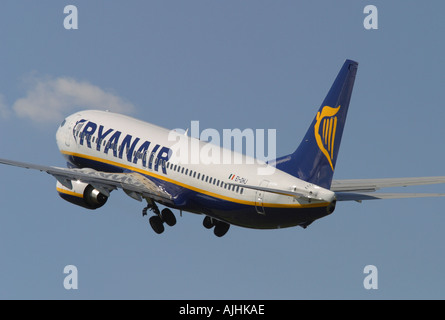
[106, 151]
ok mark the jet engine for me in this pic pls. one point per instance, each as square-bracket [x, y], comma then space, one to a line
[82, 194]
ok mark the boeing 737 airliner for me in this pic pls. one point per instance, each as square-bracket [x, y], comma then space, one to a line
[107, 151]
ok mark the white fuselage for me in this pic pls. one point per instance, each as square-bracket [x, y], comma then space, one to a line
[112, 142]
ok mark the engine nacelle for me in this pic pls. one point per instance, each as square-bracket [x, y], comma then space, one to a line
[82, 194]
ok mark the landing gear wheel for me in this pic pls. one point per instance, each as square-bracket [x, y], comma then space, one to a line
[221, 228]
[168, 217]
[156, 224]
[208, 222]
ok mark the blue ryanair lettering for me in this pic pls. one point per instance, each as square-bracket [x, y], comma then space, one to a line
[76, 128]
[163, 156]
[87, 132]
[114, 140]
[152, 156]
[141, 153]
[101, 136]
[129, 144]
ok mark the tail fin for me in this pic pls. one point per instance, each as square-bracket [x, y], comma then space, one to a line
[315, 158]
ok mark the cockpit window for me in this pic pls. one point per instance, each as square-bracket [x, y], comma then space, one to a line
[63, 123]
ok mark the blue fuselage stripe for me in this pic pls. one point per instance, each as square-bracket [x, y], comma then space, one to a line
[232, 212]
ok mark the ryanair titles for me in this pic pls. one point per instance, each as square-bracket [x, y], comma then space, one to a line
[111, 141]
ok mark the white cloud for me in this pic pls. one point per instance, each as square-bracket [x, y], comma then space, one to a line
[50, 100]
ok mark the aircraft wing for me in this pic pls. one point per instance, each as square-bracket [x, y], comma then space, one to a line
[362, 189]
[135, 185]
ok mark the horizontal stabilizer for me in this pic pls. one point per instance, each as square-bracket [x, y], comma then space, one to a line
[365, 185]
[354, 196]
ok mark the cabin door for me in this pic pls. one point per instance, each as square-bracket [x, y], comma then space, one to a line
[259, 198]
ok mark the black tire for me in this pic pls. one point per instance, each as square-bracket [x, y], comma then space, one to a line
[221, 228]
[168, 217]
[208, 223]
[156, 224]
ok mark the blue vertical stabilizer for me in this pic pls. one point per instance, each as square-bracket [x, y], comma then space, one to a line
[315, 158]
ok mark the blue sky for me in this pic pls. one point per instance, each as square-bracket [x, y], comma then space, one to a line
[228, 64]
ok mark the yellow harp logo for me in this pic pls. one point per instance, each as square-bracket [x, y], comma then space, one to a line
[327, 124]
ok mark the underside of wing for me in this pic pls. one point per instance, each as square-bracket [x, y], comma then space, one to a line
[134, 184]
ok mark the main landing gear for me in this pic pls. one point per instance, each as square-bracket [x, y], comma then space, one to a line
[166, 216]
[220, 229]
[157, 221]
